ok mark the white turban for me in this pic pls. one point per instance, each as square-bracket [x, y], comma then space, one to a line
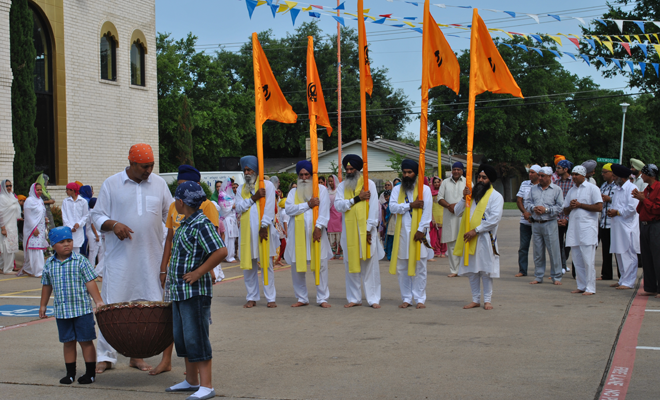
[579, 169]
[536, 168]
[547, 170]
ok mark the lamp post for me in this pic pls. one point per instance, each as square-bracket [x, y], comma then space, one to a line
[624, 107]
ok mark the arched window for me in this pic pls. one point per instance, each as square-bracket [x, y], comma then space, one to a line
[137, 63]
[108, 57]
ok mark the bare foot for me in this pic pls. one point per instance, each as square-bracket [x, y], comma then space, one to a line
[163, 366]
[250, 304]
[615, 285]
[420, 306]
[488, 306]
[577, 291]
[376, 306]
[404, 305]
[587, 294]
[298, 304]
[443, 256]
[452, 275]
[623, 287]
[102, 366]
[272, 304]
[518, 275]
[535, 283]
[657, 297]
[557, 283]
[599, 279]
[325, 305]
[139, 363]
[233, 262]
[431, 259]
[349, 305]
[340, 258]
[646, 294]
[471, 305]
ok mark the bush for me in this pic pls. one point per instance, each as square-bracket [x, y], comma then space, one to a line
[206, 188]
[57, 215]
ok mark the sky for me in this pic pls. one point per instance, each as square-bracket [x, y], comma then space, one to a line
[227, 23]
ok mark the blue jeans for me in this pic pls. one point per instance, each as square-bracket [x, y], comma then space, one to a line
[80, 329]
[191, 328]
[523, 250]
[389, 243]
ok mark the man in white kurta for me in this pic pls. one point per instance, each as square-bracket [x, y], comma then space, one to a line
[247, 201]
[583, 202]
[300, 204]
[450, 193]
[624, 229]
[484, 263]
[368, 267]
[413, 288]
[131, 209]
[75, 213]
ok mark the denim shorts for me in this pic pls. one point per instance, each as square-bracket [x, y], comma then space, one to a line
[80, 329]
[191, 328]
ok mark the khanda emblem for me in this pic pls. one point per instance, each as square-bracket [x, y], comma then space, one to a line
[311, 92]
[266, 92]
[366, 55]
[438, 59]
[492, 66]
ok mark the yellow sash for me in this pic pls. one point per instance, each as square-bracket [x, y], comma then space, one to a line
[474, 222]
[414, 248]
[301, 238]
[246, 240]
[356, 238]
[438, 211]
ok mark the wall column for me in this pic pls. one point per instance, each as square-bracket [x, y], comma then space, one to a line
[6, 77]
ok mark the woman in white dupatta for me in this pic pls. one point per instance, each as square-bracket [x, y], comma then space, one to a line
[227, 212]
[10, 212]
[34, 233]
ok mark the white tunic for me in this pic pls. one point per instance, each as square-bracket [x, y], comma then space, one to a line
[451, 192]
[132, 266]
[245, 204]
[403, 210]
[625, 227]
[484, 259]
[582, 225]
[229, 215]
[324, 216]
[76, 212]
[342, 205]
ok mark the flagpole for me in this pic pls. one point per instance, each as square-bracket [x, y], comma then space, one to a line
[315, 248]
[439, 154]
[339, 164]
[470, 133]
[363, 104]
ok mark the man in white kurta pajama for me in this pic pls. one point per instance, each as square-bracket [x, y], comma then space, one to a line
[75, 211]
[413, 288]
[300, 204]
[450, 193]
[131, 209]
[625, 227]
[253, 232]
[368, 266]
[583, 202]
[484, 263]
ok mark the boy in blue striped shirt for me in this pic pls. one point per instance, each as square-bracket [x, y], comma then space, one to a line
[71, 277]
[196, 250]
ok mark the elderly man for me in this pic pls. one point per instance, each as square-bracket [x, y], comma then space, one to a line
[625, 227]
[565, 183]
[636, 168]
[131, 209]
[253, 232]
[583, 202]
[403, 199]
[479, 243]
[302, 232]
[544, 202]
[606, 190]
[362, 249]
[525, 225]
[590, 166]
[449, 194]
[649, 217]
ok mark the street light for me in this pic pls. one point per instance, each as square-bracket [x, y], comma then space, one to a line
[624, 107]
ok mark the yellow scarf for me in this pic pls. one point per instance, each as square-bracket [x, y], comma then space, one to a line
[414, 248]
[246, 239]
[301, 238]
[356, 229]
[474, 222]
[438, 211]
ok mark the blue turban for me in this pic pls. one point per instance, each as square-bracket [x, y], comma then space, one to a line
[86, 192]
[410, 164]
[188, 173]
[353, 159]
[250, 162]
[304, 164]
[621, 171]
[191, 193]
[92, 202]
[565, 164]
[60, 233]
[458, 164]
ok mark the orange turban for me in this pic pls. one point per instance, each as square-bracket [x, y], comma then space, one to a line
[21, 197]
[79, 184]
[558, 158]
[141, 153]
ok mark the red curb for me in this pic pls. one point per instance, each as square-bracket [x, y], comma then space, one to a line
[6, 328]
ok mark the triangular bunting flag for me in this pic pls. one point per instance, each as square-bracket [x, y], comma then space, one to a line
[538, 51]
[619, 23]
[315, 14]
[656, 65]
[586, 59]
[626, 46]
[610, 46]
[627, 37]
[380, 21]
[556, 39]
[283, 7]
[642, 66]
[657, 49]
[537, 38]
[640, 24]
[340, 7]
[339, 19]
[596, 38]
[638, 39]
[617, 63]
[581, 20]
[417, 30]
[575, 42]
[251, 4]
[570, 55]
[307, 8]
[291, 4]
[556, 53]
[592, 43]
[534, 17]
[602, 60]
[522, 46]
[554, 16]
[602, 22]
[511, 13]
[294, 15]
[631, 66]
[644, 49]
[274, 8]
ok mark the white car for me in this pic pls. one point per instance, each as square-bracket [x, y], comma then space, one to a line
[209, 177]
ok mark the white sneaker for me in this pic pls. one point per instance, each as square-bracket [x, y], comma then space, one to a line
[563, 271]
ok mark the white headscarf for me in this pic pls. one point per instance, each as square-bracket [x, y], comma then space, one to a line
[226, 197]
[10, 210]
[34, 212]
[333, 191]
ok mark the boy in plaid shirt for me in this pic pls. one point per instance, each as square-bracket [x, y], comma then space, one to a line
[196, 250]
[71, 277]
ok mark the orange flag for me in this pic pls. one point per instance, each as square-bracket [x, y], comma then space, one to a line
[365, 65]
[440, 65]
[315, 100]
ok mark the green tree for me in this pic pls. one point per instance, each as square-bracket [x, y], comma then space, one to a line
[23, 99]
[184, 138]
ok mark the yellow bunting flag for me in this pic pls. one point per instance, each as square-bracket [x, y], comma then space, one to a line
[291, 4]
[556, 39]
[610, 46]
[657, 49]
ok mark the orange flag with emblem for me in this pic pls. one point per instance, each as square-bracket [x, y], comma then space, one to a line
[365, 65]
[315, 100]
[440, 65]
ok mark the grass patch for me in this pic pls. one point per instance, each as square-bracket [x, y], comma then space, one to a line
[510, 205]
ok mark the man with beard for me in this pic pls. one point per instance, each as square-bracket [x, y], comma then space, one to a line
[606, 191]
[525, 225]
[649, 216]
[544, 202]
[450, 193]
[302, 233]
[565, 183]
[583, 202]
[362, 249]
[480, 242]
[625, 227]
[636, 168]
[590, 166]
[251, 233]
[402, 202]
[334, 225]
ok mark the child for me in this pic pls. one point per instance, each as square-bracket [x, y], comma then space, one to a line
[72, 278]
[75, 213]
[196, 250]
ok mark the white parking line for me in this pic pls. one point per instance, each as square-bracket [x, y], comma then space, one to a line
[22, 297]
[649, 310]
[647, 348]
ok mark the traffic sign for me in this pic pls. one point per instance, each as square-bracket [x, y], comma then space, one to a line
[608, 160]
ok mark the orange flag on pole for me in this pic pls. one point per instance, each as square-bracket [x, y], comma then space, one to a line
[365, 65]
[270, 104]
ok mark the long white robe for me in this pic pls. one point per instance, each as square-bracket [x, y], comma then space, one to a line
[451, 192]
[76, 212]
[34, 214]
[403, 210]
[10, 211]
[624, 228]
